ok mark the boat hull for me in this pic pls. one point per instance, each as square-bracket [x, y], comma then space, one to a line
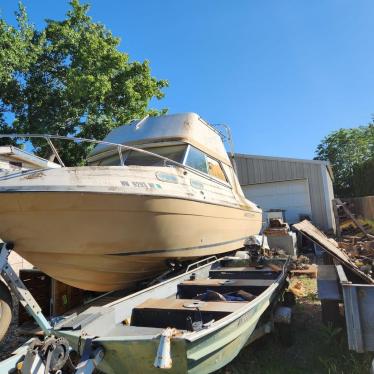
[113, 240]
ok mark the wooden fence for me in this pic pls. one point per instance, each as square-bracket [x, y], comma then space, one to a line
[362, 206]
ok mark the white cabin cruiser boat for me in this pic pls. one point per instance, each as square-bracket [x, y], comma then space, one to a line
[157, 189]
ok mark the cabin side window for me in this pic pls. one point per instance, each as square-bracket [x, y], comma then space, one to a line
[200, 161]
[215, 169]
[196, 159]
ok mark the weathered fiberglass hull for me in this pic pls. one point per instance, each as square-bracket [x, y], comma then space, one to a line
[131, 349]
[102, 241]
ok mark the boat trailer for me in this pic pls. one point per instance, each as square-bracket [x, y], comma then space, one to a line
[51, 354]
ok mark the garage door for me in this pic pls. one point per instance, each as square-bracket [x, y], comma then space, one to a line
[291, 196]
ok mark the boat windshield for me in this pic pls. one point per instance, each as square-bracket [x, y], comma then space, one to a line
[173, 152]
[195, 159]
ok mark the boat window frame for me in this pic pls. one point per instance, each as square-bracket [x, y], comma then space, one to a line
[225, 182]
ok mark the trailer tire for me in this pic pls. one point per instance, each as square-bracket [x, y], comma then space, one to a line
[6, 307]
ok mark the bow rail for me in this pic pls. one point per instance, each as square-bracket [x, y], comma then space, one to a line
[120, 148]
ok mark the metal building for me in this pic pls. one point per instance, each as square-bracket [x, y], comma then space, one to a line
[296, 187]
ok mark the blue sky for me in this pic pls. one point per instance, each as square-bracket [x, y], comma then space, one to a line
[281, 74]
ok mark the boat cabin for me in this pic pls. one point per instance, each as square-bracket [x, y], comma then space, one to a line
[183, 138]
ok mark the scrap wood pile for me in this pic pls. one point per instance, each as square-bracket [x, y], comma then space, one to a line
[302, 265]
[360, 251]
[360, 264]
[354, 237]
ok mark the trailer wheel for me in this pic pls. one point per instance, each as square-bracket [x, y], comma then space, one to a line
[5, 310]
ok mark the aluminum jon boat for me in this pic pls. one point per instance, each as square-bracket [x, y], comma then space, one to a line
[196, 322]
[208, 314]
[156, 189]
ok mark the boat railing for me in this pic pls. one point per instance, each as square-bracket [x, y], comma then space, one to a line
[196, 264]
[120, 148]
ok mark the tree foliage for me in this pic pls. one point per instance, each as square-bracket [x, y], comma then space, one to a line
[351, 154]
[70, 79]
[363, 178]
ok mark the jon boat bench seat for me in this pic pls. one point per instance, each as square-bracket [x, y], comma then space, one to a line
[244, 272]
[179, 313]
[191, 288]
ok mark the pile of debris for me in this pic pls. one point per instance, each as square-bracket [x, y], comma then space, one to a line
[280, 236]
[354, 237]
[360, 251]
[360, 264]
[277, 228]
[300, 263]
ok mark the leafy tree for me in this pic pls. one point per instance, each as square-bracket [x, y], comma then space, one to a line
[70, 79]
[363, 178]
[349, 152]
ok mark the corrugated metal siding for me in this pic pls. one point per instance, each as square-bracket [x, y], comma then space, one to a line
[255, 170]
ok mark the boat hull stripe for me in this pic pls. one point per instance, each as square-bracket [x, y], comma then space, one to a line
[155, 251]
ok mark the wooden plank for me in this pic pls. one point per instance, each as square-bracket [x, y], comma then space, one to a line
[311, 232]
[186, 304]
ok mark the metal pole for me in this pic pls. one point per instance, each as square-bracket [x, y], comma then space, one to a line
[54, 150]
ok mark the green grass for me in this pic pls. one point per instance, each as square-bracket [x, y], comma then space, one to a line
[316, 349]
